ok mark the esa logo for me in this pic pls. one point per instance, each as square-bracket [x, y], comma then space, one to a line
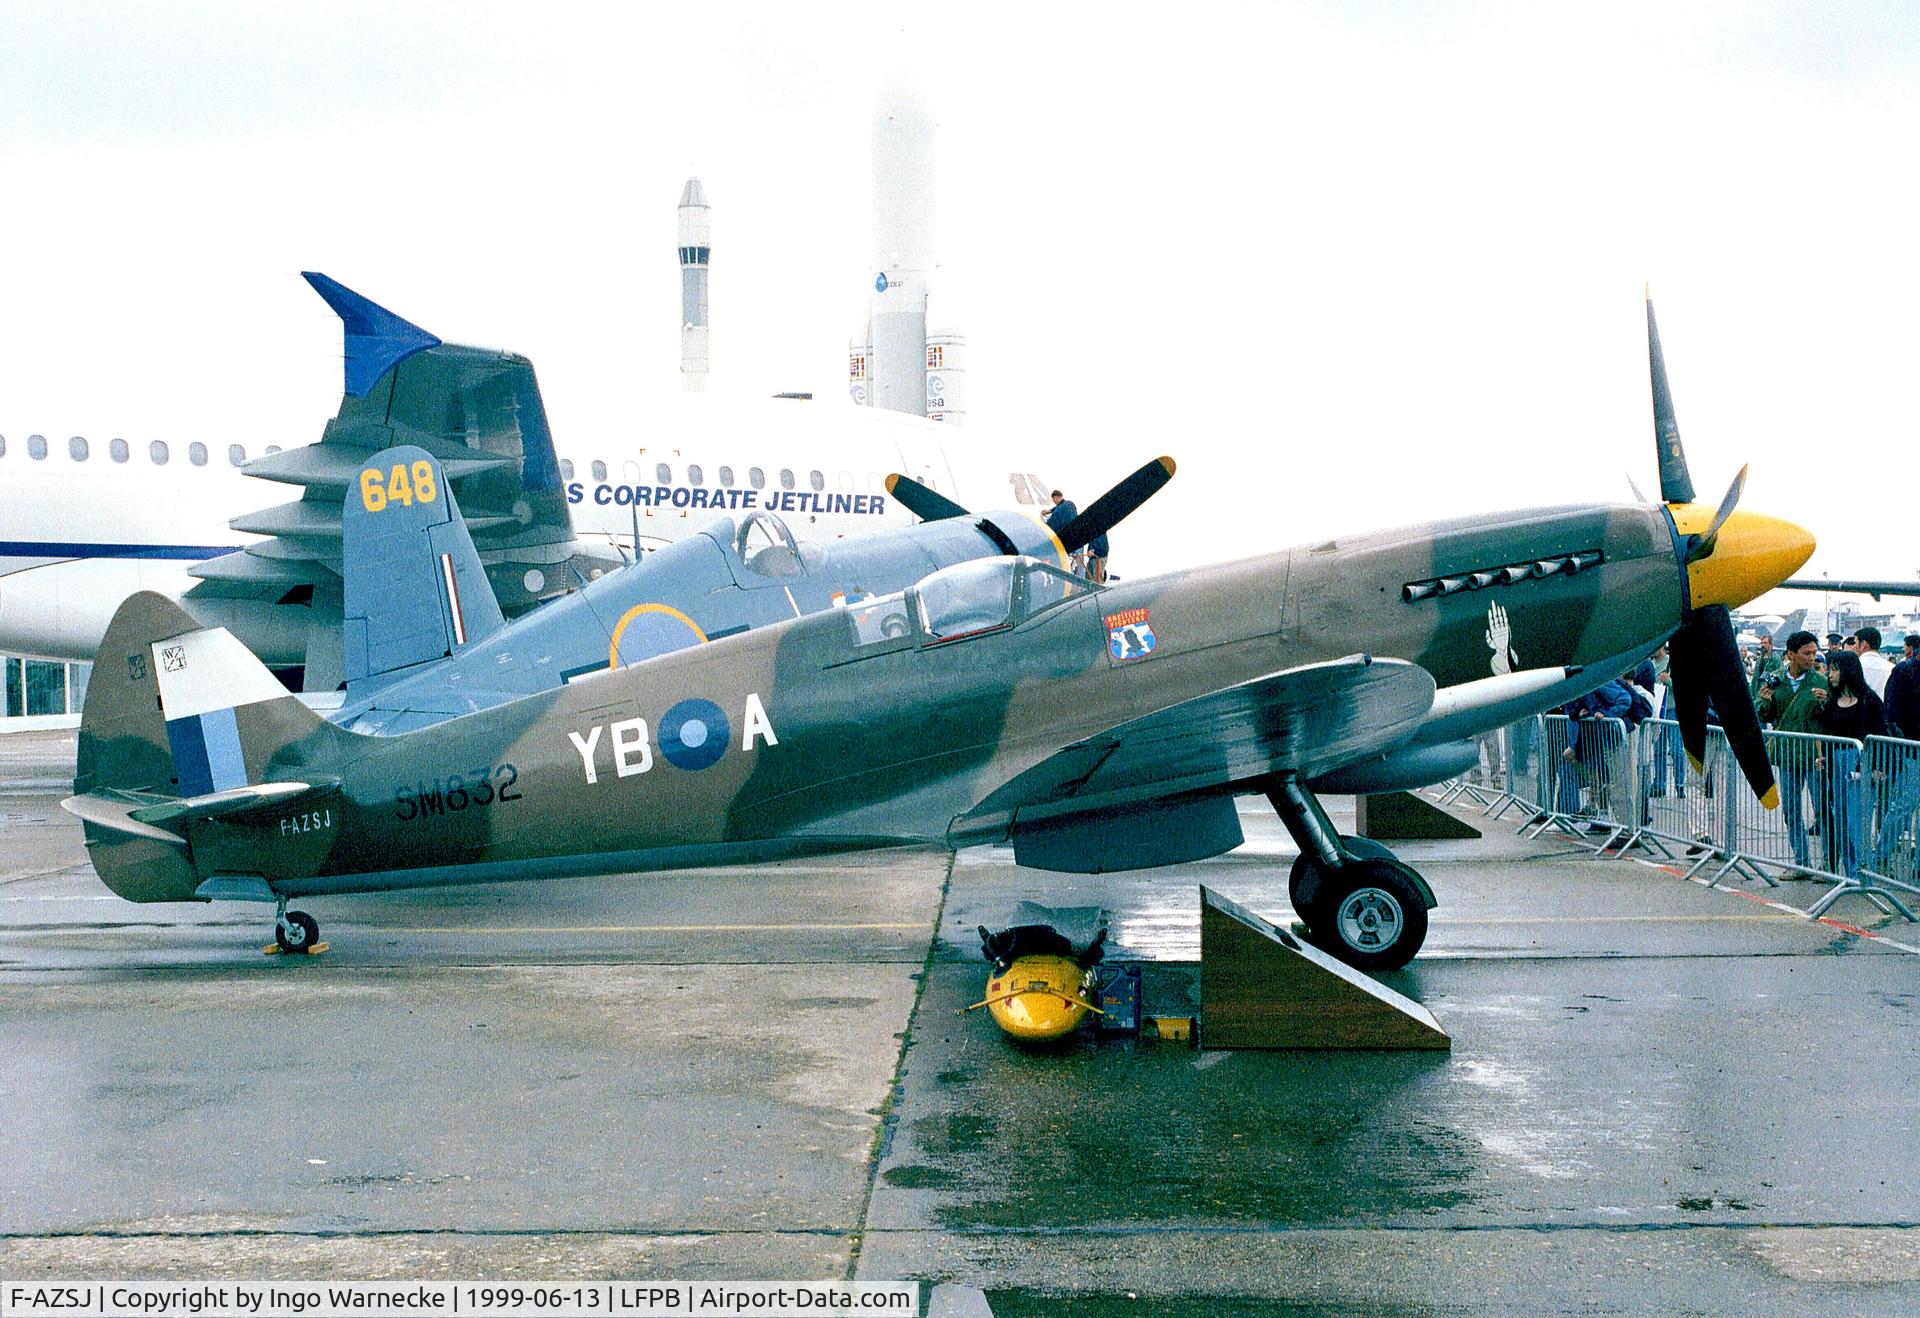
[693, 735]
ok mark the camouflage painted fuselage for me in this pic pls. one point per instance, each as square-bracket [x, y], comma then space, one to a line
[810, 738]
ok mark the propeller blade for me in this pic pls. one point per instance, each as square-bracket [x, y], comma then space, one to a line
[928, 505]
[1686, 678]
[1634, 486]
[1703, 665]
[1676, 484]
[1106, 512]
[1702, 544]
[1727, 687]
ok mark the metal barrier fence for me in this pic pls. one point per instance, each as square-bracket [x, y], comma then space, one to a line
[1891, 777]
[1584, 785]
[1849, 811]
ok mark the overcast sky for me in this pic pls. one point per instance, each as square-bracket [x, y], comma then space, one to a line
[1351, 264]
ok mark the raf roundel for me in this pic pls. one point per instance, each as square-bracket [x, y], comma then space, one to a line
[693, 734]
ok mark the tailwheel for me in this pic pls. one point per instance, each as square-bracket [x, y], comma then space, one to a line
[1306, 881]
[1374, 916]
[297, 932]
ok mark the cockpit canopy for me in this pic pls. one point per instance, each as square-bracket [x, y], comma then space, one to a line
[767, 548]
[981, 595]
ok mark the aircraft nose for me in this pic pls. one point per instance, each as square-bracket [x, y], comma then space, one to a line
[1751, 555]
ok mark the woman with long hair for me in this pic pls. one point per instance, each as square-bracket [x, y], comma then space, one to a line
[1852, 711]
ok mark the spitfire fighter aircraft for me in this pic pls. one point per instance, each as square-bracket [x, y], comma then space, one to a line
[1093, 728]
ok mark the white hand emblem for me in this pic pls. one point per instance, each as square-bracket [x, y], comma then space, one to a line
[1500, 640]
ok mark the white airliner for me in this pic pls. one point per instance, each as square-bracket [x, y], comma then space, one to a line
[84, 523]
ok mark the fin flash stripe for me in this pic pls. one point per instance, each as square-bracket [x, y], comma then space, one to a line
[453, 599]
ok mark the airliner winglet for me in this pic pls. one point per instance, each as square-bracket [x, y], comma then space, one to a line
[376, 339]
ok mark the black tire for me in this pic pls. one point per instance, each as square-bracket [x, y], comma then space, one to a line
[1374, 915]
[298, 932]
[1304, 880]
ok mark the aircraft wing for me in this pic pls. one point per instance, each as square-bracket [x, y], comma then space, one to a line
[1873, 588]
[1310, 720]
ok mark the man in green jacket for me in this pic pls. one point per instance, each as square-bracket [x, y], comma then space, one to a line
[1791, 701]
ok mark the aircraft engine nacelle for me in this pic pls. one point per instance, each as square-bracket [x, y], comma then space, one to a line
[1402, 769]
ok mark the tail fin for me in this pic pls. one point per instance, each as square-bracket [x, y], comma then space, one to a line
[180, 721]
[415, 587]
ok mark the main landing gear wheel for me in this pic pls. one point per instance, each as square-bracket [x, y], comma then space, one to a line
[296, 931]
[1304, 882]
[1375, 917]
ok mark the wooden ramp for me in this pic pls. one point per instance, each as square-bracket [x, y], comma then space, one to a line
[1404, 817]
[1263, 987]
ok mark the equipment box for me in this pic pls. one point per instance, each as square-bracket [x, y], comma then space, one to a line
[1117, 994]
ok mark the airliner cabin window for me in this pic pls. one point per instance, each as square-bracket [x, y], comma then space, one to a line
[118, 451]
[197, 453]
[967, 598]
[846, 480]
[817, 480]
[157, 452]
[36, 447]
[566, 469]
[663, 473]
[786, 478]
[632, 470]
[237, 455]
[3, 446]
[695, 474]
[756, 478]
[77, 448]
[599, 470]
[726, 477]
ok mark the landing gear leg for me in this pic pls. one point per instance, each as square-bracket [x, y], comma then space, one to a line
[295, 931]
[1360, 903]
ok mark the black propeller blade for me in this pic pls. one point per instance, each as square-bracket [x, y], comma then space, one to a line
[1712, 670]
[926, 504]
[1687, 676]
[1106, 512]
[1702, 545]
[1704, 660]
[1676, 485]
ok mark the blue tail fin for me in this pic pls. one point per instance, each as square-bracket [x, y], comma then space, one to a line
[415, 589]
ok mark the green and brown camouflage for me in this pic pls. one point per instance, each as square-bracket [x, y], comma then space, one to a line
[1022, 704]
[1000, 700]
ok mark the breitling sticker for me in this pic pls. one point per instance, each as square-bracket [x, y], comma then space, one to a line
[1130, 635]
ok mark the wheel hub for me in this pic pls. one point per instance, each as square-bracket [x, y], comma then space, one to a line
[1371, 919]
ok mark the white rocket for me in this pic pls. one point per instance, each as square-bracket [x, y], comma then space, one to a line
[696, 234]
[899, 365]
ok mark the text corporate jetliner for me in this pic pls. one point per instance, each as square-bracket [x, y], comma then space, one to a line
[1093, 728]
[83, 524]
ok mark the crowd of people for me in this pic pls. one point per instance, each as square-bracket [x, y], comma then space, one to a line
[1834, 695]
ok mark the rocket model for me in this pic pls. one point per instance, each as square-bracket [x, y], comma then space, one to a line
[696, 232]
[898, 365]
